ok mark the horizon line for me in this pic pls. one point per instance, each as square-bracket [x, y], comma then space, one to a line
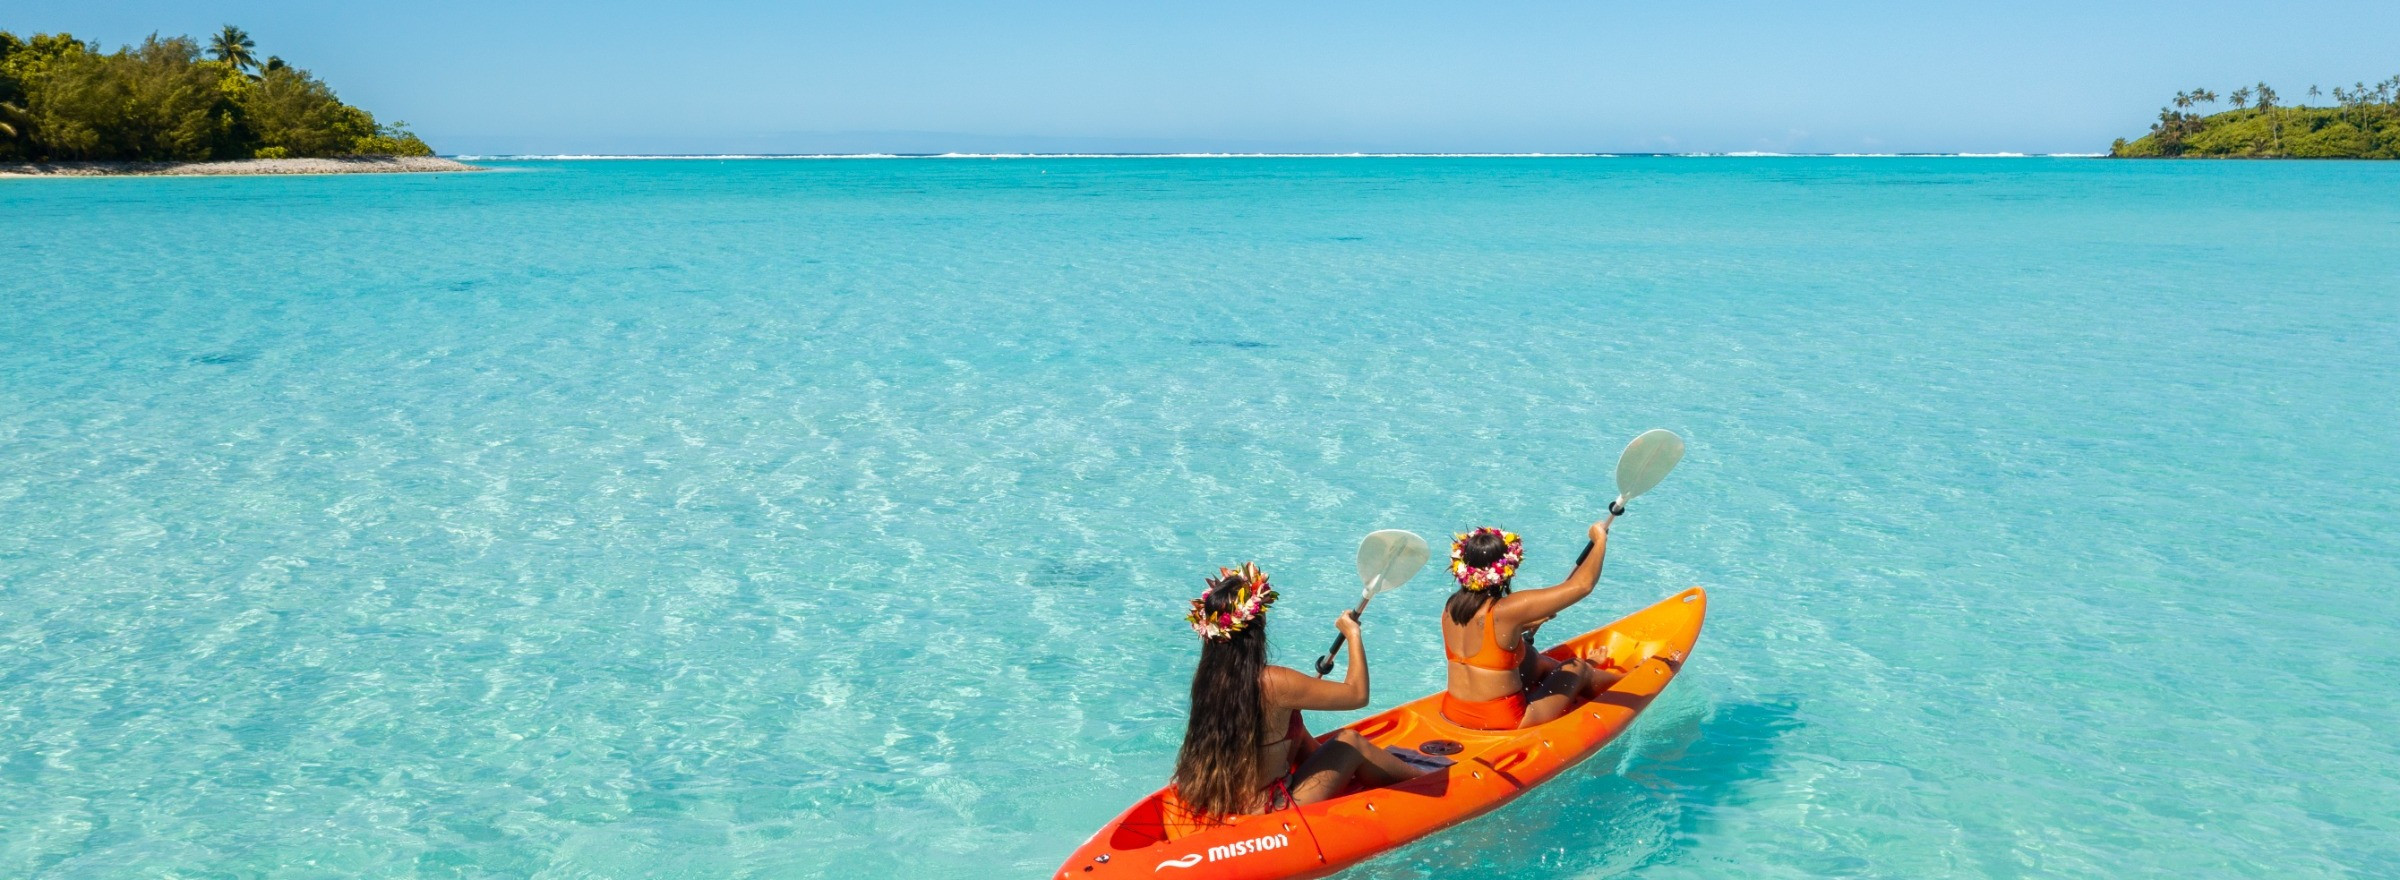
[1740, 154]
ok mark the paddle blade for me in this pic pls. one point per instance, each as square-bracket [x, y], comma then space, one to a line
[1388, 558]
[1646, 461]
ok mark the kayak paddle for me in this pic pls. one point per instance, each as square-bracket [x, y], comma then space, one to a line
[1386, 559]
[1645, 461]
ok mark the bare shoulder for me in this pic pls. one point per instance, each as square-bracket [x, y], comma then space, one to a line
[1280, 680]
[1520, 602]
[1518, 608]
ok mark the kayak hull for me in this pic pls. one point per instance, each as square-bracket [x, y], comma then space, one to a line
[1492, 767]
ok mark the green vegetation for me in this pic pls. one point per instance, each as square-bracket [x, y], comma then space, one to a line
[2364, 123]
[165, 100]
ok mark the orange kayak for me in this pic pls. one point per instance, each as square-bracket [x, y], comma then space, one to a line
[1490, 768]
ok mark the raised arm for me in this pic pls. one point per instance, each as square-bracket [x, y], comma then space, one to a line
[1526, 606]
[1291, 689]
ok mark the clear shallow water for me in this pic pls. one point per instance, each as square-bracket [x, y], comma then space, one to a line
[818, 519]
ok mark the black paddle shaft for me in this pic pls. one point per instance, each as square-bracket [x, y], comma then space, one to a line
[1325, 663]
[1615, 509]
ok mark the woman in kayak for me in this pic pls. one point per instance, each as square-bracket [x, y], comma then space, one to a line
[1245, 749]
[1497, 682]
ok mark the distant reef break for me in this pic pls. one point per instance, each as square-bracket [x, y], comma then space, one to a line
[2363, 123]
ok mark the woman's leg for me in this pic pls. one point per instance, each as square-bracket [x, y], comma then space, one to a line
[1541, 667]
[1559, 691]
[1345, 757]
[1597, 679]
[1574, 682]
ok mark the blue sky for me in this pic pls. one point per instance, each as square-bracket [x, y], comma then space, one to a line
[603, 76]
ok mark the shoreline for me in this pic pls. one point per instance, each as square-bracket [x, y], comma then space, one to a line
[239, 167]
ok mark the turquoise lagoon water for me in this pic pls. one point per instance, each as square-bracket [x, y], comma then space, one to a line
[834, 518]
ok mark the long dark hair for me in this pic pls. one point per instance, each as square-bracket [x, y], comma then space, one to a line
[1480, 549]
[1216, 774]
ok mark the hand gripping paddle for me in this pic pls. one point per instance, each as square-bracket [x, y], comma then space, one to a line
[1386, 559]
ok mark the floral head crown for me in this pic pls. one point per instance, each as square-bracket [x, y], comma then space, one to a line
[1249, 603]
[1478, 579]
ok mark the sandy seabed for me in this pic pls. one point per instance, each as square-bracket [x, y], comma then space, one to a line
[354, 165]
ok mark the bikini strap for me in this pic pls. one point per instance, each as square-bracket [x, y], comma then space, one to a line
[1469, 657]
[1291, 728]
[1505, 659]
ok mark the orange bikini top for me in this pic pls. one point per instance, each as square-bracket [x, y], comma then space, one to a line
[1507, 659]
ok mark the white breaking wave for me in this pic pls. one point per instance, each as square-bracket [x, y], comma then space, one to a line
[1739, 154]
[1754, 154]
[562, 157]
[617, 157]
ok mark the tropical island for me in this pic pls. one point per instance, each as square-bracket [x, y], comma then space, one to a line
[167, 106]
[2364, 123]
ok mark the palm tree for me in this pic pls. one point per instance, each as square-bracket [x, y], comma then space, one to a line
[9, 115]
[2266, 102]
[2312, 91]
[232, 46]
[2241, 97]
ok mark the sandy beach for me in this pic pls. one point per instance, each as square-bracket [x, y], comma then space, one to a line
[246, 167]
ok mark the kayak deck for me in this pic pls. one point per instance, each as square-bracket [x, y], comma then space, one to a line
[1490, 768]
